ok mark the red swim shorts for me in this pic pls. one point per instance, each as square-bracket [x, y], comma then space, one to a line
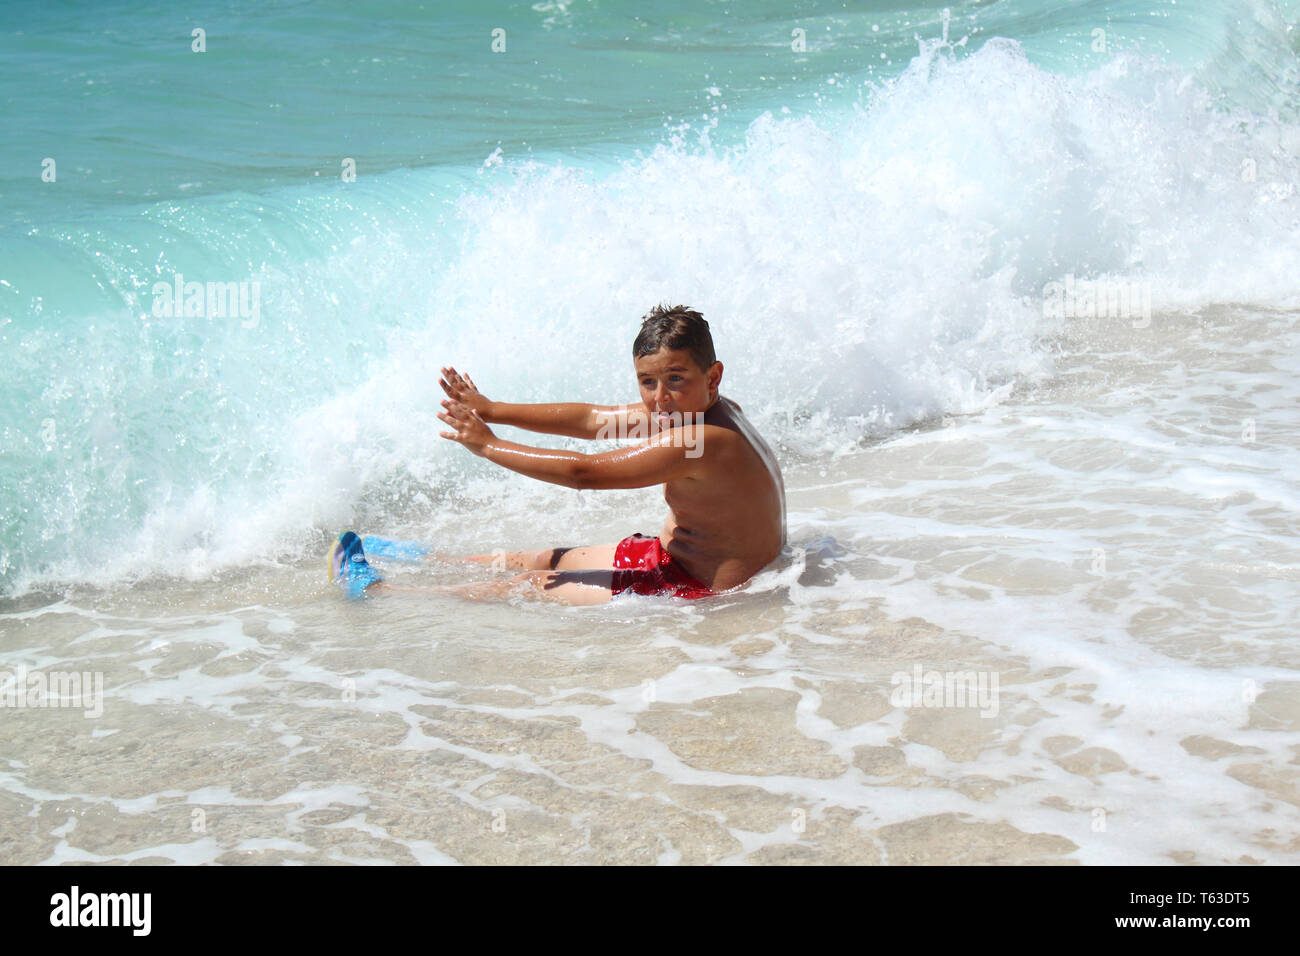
[642, 566]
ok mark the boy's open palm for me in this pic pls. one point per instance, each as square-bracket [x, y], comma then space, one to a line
[470, 430]
[461, 388]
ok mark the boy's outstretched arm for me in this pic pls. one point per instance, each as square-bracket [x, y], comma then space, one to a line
[664, 458]
[573, 419]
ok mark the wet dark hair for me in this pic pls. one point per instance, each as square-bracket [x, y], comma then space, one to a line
[675, 327]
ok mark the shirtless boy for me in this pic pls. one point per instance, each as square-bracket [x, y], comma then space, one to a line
[721, 481]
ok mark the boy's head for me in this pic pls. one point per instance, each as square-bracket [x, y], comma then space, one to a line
[675, 364]
[675, 327]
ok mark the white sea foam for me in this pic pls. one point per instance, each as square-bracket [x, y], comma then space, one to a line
[862, 272]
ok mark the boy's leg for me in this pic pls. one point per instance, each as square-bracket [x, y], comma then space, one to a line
[575, 576]
[579, 587]
[559, 587]
[594, 557]
[590, 558]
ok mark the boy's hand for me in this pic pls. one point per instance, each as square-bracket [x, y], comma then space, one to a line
[470, 430]
[461, 388]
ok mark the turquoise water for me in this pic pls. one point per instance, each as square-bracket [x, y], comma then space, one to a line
[1096, 511]
[893, 202]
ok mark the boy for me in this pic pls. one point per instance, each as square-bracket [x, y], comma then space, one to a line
[721, 481]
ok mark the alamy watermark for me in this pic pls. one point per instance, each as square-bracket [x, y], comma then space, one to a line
[1098, 299]
[75, 908]
[922, 688]
[213, 300]
[21, 689]
[679, 427]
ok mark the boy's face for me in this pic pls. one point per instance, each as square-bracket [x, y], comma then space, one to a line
[671, 382]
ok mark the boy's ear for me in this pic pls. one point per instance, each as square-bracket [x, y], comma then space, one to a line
[715, 374]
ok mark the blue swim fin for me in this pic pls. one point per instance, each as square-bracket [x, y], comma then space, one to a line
[349, 568]
[381, 547]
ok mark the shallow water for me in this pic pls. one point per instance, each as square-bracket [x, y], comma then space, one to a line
[1106, 555]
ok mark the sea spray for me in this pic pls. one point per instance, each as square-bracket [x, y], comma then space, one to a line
[864, 269]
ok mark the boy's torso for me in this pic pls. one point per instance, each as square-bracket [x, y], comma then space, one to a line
[729, 523]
